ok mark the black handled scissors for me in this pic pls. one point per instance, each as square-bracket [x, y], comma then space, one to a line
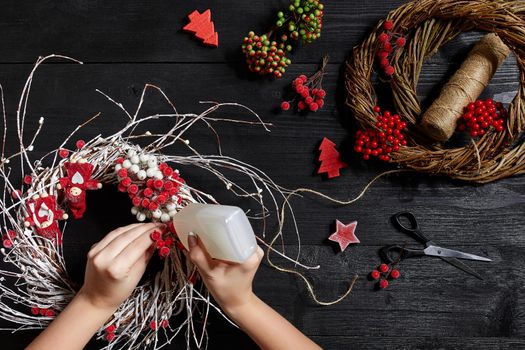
[393, 253]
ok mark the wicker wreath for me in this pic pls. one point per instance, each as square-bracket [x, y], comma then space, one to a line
[33, 219]
[429, 24]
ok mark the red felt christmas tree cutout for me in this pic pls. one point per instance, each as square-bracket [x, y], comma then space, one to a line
[202, 26]
[330, 159]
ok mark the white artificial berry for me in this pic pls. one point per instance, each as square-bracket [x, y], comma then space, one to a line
[151, 172]
[176, 171]
[141, 175]
[158, 175]
[172, 213]
[30, 148]
[170, 206]
[134, 159]
[118, 167]
[165, 217]
[134, 168]
[134, 210]
[132, 153]
[141, 216]
[152, 162]
[126, 164]
[157, 213]
[144, 158]
[228, 186]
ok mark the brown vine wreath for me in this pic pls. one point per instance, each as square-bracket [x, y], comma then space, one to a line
[427, 25]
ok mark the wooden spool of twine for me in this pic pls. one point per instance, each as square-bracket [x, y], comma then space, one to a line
[428, 25]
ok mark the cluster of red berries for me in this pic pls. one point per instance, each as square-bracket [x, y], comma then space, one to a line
[165, 240]
[383, 273]
[43, 312]
[479, 116]
[386, 138]
[264, 56]
[8, 238]
[309, 94]
[110, 332]
[389, 42]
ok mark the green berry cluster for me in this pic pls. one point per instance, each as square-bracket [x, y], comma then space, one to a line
[306, 20]
[266, 54]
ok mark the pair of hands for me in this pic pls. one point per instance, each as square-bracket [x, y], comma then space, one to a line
[116, 264]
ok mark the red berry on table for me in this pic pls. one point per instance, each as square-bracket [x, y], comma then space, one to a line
[383, 267]
[301, 105]
[308, 100]
[395, 274]
[303, 78]
[388, 25]
[383, 284]
[375, 274]
[285, 105]
[321, 93]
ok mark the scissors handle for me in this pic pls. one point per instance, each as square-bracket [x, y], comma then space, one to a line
[413, 229]
[394, 253]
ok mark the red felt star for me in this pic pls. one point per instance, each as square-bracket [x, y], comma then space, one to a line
[344, 234]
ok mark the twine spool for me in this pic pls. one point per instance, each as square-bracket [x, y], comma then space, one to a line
[465, 86]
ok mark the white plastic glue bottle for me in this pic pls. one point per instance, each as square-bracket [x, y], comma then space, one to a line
[224, 230]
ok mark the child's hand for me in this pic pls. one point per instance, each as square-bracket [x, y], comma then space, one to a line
[229, 283]
[116, 264]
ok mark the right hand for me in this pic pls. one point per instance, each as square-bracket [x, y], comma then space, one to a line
[116, 264]
[229, 283]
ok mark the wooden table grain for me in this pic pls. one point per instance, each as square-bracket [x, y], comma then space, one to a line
[126, 44]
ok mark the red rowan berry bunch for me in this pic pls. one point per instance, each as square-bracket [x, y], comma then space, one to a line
[43, 312]
[153, 188]
[383, 273]
[382, 141]
[309, 93]
[479, 116]
[266, 54]
[389, 42]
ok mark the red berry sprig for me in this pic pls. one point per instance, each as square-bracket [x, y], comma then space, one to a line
[389, 42]
[308, 91]
[385, 139]
[479, 116]
[383, 273]
[46, 312]
[165, 241]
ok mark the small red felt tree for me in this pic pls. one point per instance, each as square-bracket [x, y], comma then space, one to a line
[330, 159]
[203, 28]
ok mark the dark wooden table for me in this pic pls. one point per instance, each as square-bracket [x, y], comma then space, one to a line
[126, 44]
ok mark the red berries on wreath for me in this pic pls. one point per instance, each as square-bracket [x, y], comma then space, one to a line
[389, 42]
[386, 138]
[479, 116]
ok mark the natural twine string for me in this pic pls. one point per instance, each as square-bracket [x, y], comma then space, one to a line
[465, 86]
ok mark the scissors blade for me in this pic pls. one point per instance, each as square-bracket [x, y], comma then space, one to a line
[433, 250]
[462, 266]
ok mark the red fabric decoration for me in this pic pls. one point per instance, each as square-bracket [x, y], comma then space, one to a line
[202, 27]
[330, 160]
[43, 216]
[344, 234]
[76, 183]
